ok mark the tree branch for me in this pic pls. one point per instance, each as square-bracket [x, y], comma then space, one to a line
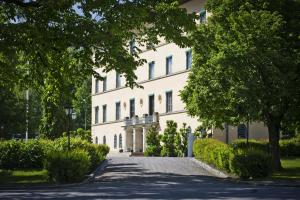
[22, 3]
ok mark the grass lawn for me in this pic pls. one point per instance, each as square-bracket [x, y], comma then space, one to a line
[291, 169]
[19, 177]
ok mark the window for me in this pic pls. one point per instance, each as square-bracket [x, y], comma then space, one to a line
[118, 80]
[104, 84]
[115, 141]
[96, 140]
[169, 63]
[151, 104]
[151, 70]
[132, 108]
[189, 59]
[96, 114]
[96, 86]
[132, 46]
[169, 101]
[118, 111]
[104, 139]
[104, 113]
[242, 131]
[120, 141]
[202, 16]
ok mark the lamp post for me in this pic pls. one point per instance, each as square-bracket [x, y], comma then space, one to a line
[71, 115]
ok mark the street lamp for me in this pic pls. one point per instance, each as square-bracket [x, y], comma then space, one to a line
[71, 115]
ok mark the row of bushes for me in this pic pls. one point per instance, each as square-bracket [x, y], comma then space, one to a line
[288, 147]
[236, 158]
[62, 165]
[171, 143]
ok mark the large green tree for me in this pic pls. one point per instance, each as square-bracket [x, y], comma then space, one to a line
[246, 66]
[34, 34]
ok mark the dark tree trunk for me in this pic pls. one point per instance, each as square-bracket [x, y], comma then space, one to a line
[274, 128]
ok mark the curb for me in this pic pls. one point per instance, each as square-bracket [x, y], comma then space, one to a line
[210, 169]
[88, 180]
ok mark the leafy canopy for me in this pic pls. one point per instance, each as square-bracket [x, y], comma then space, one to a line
[62, 39]
[246, 63]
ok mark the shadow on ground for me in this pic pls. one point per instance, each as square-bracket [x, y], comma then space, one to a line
[132, 181]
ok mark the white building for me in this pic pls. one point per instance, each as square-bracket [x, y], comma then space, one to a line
[121, 116]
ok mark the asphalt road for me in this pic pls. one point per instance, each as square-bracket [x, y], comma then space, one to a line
[156, 178]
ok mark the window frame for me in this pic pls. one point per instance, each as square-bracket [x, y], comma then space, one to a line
[118, 80]
[118, 110]
[151, 66]
[130, 111]
[188, 63]
[168, 65]
[169, 104]
[104, 114]
[104, 88]
[96, 115]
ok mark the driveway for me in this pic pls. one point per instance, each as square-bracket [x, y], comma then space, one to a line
[156, 178]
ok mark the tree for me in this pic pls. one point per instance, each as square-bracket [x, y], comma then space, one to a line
[36, 34]
[246, 66]
[168, 139]
[181, 140]
[83, 103]
[153, 142]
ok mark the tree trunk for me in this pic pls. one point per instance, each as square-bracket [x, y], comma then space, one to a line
[274, 128]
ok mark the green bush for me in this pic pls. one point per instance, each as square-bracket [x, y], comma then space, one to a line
[67, 166]
[21, 155]
[244, 161]
[253, 163]
[168, 139]
[97, 153]
[153, 142]
[290, 147]
[252, 144]
[212, 152]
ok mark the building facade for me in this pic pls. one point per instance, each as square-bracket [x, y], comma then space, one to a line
[122, 116]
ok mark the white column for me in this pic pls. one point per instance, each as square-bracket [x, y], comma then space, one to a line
[144, 139]
[133, 140]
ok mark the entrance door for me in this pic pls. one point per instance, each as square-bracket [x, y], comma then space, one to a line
[151, 104]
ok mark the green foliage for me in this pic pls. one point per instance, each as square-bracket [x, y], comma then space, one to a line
[290, 147]
[252, 144]
[97, 153]
[250, 162]
[86, 27]
[246, 66]
[168, 139]
[21, 155]
[83, 104]
[67, 166]
[80, 133]
[12, 118]
[181, 141]
[244, 161]
[212, 152]
[153, 142]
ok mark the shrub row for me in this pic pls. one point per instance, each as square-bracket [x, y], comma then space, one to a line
[244, 162]
[288, 147]
[20, 155]
[62, 165]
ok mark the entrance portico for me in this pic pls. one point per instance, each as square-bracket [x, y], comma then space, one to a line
[136, 130]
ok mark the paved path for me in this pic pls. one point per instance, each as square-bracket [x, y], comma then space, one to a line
[156, 178]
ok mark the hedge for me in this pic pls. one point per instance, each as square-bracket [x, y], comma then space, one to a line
[33, 154]
[67, 166]
[21, 155]
[237, 159]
